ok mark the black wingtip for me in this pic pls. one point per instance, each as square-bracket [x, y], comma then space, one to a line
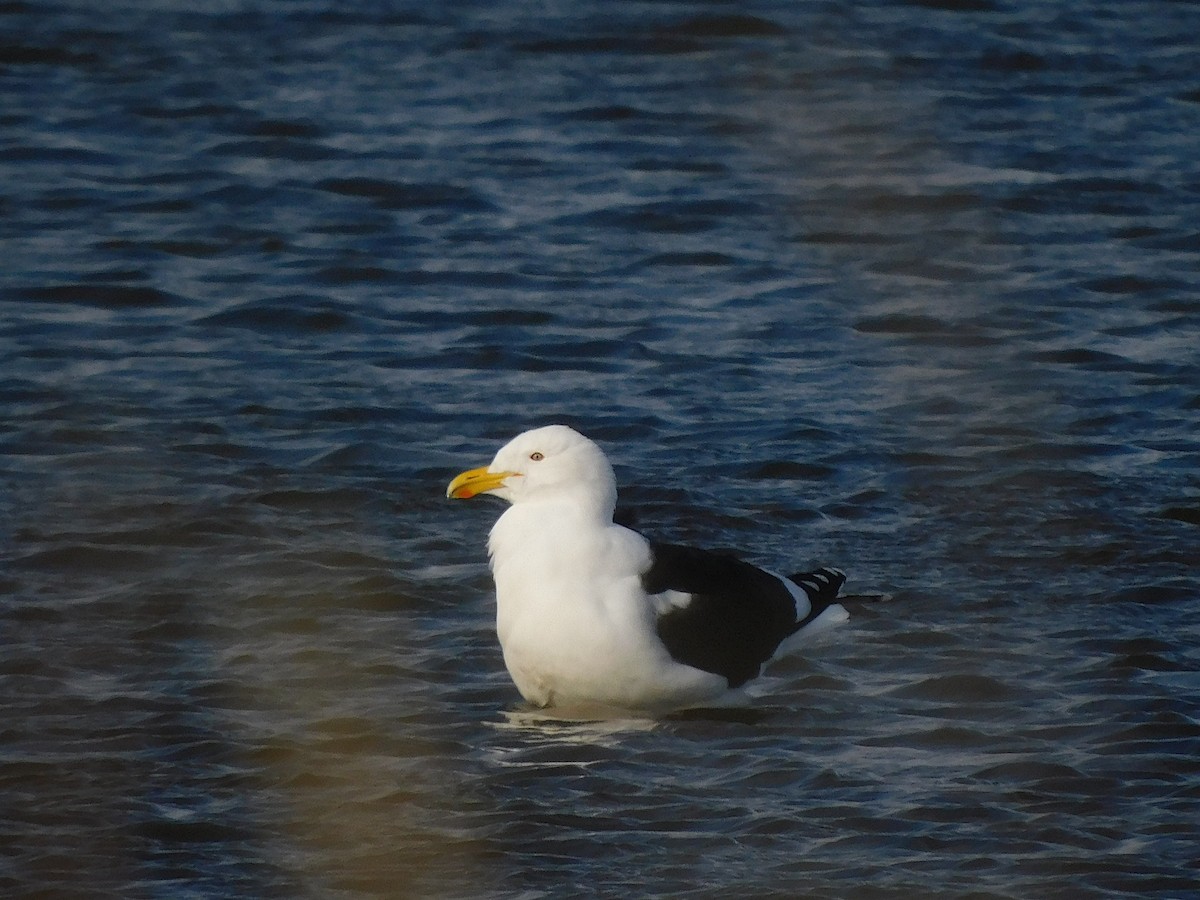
[822, 586]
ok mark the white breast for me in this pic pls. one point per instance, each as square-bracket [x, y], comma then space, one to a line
[573, 621]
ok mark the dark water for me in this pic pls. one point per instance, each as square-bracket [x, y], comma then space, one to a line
[908, 288]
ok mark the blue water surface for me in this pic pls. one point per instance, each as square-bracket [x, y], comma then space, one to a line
[910, 288]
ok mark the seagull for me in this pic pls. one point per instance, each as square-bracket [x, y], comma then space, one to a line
[593, 616]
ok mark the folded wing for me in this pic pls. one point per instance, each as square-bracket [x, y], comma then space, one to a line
[732, 615]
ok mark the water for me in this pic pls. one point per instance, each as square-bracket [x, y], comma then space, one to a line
[908, 288]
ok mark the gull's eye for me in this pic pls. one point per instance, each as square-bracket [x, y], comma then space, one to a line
[536, 456]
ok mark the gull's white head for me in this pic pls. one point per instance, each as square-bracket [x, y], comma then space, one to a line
[554, 462]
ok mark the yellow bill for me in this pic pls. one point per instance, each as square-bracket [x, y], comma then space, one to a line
[475, 481]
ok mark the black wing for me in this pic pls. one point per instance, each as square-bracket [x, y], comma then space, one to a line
[737, 617]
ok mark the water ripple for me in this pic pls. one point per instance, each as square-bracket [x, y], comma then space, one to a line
[905, 288]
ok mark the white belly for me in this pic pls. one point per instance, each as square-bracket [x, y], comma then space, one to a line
[575, 625]
[573, 653]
